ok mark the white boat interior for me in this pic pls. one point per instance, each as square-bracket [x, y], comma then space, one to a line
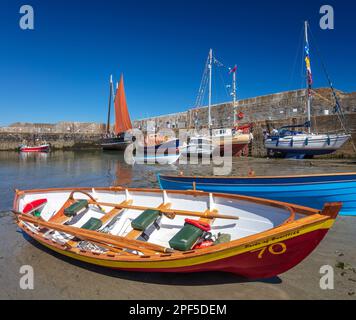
[253, 218]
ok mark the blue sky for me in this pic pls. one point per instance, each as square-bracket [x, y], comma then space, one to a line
[60, 70]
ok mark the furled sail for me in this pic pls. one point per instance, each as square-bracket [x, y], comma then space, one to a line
[122, 117]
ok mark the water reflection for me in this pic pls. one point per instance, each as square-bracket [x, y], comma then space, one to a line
[97, 168]
[33, 156]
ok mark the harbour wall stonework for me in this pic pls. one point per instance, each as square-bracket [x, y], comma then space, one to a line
[12, 140]
[60, 127]
[273, 107]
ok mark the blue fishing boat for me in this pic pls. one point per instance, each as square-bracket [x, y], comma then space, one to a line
[307, 190]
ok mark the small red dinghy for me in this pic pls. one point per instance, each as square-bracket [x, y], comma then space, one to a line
[41, 148]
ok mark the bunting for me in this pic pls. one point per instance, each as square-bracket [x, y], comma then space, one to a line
[308, 66]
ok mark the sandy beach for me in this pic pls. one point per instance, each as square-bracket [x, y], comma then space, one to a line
[56, 277]
[61, 278]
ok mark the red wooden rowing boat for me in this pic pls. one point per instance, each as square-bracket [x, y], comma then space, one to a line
[263, 238]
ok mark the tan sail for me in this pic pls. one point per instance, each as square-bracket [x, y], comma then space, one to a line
[122, 117]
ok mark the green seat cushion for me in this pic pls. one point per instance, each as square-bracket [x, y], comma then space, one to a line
[186, 238]
[145, 219]
[73, 209]
[92, 224]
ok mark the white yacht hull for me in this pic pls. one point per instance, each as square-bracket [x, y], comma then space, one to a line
[307, 144]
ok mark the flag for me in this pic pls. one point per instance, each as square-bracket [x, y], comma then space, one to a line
[307, 62]
[233, 70]
[306, 48]
[308, 66]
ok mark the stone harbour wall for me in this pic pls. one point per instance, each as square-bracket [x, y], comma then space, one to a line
[11, 141]
[60, 127]
[273, 107]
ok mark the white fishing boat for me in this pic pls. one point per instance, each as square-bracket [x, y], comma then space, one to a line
[164, 153]
[290, 143]
[156, 159]
[198, 146]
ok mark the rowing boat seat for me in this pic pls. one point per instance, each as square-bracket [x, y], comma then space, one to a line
[75, 208]
[93, 224]
[145, 219]
[146, 223]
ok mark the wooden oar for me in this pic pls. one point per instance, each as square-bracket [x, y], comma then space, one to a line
[111, 249]
[81, 234]
[168, 211]
[117, 241]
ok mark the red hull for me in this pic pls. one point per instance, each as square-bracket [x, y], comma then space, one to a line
[238, 150]
[35, 149]
[260, 264]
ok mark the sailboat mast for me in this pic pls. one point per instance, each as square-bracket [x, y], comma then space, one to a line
[234, 94]
[308, 80]
[210, 66]
[109, 111]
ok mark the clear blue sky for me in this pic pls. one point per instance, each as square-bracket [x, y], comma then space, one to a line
[60, 70]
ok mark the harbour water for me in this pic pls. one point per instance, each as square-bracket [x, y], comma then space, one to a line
[97, 168]
[57, 277]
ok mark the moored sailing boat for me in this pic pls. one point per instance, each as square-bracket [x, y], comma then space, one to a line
[220, 137]
[119, 139]
[290, 143]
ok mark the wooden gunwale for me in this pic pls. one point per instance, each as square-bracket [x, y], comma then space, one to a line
[197, 193]
[262, 177]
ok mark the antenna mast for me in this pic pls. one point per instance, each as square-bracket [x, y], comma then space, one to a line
[210, 66]
[234, 97]
[109, 111]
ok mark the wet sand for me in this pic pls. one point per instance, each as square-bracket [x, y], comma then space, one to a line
[57, 277]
